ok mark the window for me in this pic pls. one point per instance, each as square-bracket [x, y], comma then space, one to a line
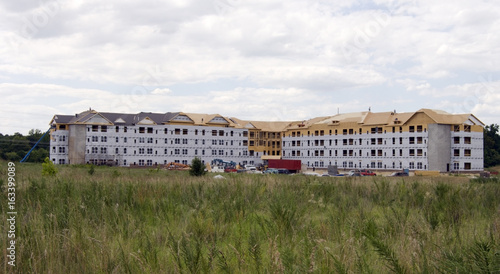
[117, 139]
[456, 152]
[124, 130]
[94, 150]
[419, 165]
[104, 128]
[116, 151]
[62, 150]
[141, 140]
[103, 150]
[419, 152]
[379, 165]
[150, 130]
[184, 151]
[412, 140]
[221, 152]
[419, 140]
[124, 139]
[104, 139]
[412, 128]
[150, 151]
[467, 128]
[142, 130]
[149, 162]
[412, 165]
[184, 141]
[467, 166]
[177, 141]
[117, 129]
[177, 131]
[95, 128]
[141, 150]
[177, 151]
[141, 162]
[184, 131]
[456, 140]
[467, 152]
[125, 151]
[456, 166]
[95, 139]
[221, 142]
[456, 128]
[412, 152]
[467, 140]
[150, 140]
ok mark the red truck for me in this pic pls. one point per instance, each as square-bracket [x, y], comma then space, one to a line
[292, 165]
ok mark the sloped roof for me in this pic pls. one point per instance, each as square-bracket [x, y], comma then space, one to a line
[443, 117]
[362, 118]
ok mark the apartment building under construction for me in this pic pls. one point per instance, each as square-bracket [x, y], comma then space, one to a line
[422, 140]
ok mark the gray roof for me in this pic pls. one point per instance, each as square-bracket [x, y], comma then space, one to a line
[129, 118]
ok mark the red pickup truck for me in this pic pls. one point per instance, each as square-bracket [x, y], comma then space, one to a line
[366, 172]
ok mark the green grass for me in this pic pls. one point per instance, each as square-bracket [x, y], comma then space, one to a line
[118, 220]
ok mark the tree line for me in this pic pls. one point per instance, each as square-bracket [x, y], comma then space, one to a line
[15, 147]
[491, 145]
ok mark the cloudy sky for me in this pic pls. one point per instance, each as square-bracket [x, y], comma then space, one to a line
[252, 59]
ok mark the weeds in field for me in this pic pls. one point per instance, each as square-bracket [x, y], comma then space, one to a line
[126, 221]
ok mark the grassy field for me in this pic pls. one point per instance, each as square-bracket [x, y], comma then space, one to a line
[120, 220]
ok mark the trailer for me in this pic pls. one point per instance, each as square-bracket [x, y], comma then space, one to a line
[294, 166]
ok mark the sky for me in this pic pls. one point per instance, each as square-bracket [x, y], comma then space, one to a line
[251, 59]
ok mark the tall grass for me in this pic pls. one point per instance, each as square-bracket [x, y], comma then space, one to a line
[118, 220]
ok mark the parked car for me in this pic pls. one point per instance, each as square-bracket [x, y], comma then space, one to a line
[283, 171]
[366, 172]
[270, 171]
[354, 173]
[398, 174]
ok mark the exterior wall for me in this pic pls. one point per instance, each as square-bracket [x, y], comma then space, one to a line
[76, 144]
[59, 147]
[439, 147]
[466, 152]
[161, 145]
[374, 151]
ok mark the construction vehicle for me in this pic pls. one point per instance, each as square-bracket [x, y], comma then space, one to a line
[177, 166]
[219, 165]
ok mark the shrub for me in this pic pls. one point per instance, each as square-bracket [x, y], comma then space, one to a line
[48, 168]
[197, 167]
[91, 170]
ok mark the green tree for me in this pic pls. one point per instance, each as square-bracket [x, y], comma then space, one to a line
[197, 167]
[48, 168]
[491, 145]
[12, 156]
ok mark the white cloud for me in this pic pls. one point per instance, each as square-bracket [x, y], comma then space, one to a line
[347, 54]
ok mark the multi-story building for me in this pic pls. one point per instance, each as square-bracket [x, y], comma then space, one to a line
[422, 140]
